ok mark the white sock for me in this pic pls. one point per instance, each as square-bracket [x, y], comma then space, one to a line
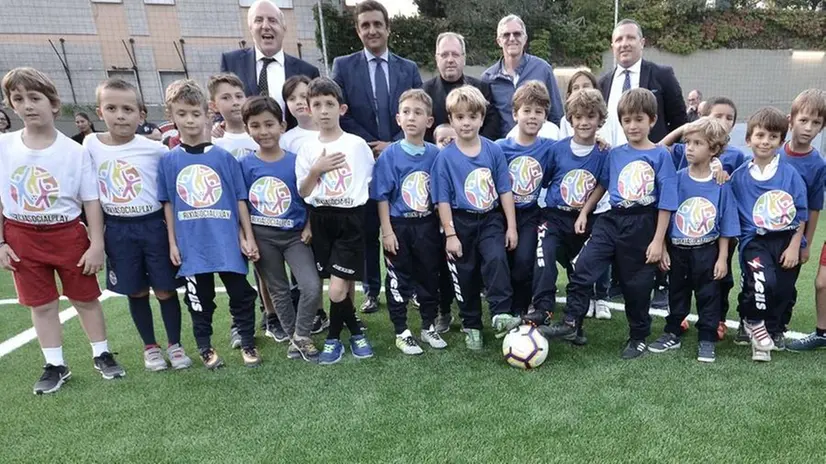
[98, 348]
[54, 356]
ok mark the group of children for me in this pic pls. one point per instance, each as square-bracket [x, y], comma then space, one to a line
[465, 217]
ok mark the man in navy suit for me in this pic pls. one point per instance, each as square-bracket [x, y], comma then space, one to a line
[372, 81]
[264, 69]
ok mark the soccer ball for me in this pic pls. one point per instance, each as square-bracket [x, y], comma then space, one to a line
[524, 347]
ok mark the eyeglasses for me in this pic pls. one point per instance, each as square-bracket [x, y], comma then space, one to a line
[508, 35]
[446, 55]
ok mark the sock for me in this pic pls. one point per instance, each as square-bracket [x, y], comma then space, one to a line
[820, 332]
[348, 314]
[98, 348]
[142, 317]
[336, 321]
[171, 314]
[54, 356]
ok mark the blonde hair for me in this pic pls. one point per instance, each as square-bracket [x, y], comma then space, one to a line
[712, 131]
[119, 84]
[468, 98]
[813, 100]
[223, 78]
[185, 91]
[32, 80]
[584, 102]
[418, 95]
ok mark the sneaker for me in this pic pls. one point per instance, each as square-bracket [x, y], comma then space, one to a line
[443, 322]
[813, 341]
[414, 300]
[705, 351]
[107, 366]
[601, 310]
[370, 305]
[52, 379]
[577, 339]
[211, 359]
[360, 347]
[760, 355]
[591, 309]
[303, 348]
[721, 331]
[431, 337]
[250, 356]
[760, 338]
[407, 344]
[275, 331]
[177, 357]
[666, 342]
[234, 339]
[558, 330]
[504, 323]
[779, 342]
[538, 318]
[742, 338]
[660, 298]
[153, 359]
[332, 352]
[320, 323]
[473, 339]
[633, 349]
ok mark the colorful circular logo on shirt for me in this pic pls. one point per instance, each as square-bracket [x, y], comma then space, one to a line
[636, 181]
[576, 187]
[695, 217]
[416, 191]
[479, 188]
[33, 188]
[199, 186]
[526, 175]
[270, 196]
[774, 210]
[336, 183]
[119, 181]
[241, 152]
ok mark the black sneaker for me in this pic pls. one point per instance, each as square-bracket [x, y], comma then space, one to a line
[538, 318]
[52, 379]
[633, 349]
[742, 338]
[107, 366]
[660, 298]
[275, 331]
[558, 330]
[667, 341]
[370, 305]
[577, 339]
[779, 342]
[705, 352]
[320, 323]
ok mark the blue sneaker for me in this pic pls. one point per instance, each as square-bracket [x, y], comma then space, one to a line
[332, 352]
[811, 342]
[360, 347]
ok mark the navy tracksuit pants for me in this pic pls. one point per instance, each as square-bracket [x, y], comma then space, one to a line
[522, 259]
[692, 271]
[371, 284]
[414, 269]
[727, 282]
[620, 237]
[484, 261]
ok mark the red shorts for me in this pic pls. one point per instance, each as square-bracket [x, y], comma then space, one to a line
[822, 255]
[44, 250]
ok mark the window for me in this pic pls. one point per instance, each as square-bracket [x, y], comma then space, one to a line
[168, 77]
[278, 3]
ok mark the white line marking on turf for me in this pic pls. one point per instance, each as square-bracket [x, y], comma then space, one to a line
[28, 335]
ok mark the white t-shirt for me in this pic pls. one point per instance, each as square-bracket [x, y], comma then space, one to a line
[294, 138]
[345, 187]
[127, 175]
[239, 145]
[611, 131]
[548, 130]
[583, 150]
[45, 186]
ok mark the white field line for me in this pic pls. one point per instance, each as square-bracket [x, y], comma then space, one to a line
[28, 335]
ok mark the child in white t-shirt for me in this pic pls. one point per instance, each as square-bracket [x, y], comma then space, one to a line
[295, 95]
[226, 96]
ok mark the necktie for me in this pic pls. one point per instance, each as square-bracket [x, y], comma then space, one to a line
[626, 86]
[263, 86]
[382, 101]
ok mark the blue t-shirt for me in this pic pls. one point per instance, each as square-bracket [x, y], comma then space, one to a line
[403, 180]
[812, 168]
[570, 179]
[204, 190]
[526, 165]
[470, 183]
[767, 206]
[731, 158]
[707, 211]
[273, 192]
[636, 178]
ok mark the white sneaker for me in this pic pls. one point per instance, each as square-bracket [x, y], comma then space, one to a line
[431, 337]
[591, 308]
[153, 359]
[759, 355]
[760, 338]
[407, 344]
[177, 357]
[601, 310]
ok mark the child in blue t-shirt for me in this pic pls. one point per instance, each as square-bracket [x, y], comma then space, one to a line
[204, 198]
[697, 251]
[472, 188]
[771, 201]
[409, 227]
[640, 179]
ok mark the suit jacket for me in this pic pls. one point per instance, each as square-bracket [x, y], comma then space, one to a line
[663, 83]
[352, 74]
[436, 89]
[242, 64]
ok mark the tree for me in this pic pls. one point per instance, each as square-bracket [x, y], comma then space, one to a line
[430, 8]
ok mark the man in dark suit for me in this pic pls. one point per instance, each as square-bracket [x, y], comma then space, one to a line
[372, 81]
[264, 69]
[632, 71]
[450, 60]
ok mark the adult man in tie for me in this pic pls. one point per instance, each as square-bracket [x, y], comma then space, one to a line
[372, 81]
[264, 69]
[450, 61]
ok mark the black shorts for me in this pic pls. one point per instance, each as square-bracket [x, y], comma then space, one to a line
[338, 241]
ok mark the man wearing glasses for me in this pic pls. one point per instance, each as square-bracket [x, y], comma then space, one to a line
[517, 67]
